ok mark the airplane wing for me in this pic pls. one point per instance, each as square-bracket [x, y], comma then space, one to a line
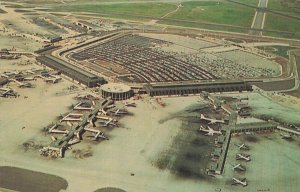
[236, 166]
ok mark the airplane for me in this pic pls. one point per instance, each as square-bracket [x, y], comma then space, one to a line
[53, 138]
[211, 121]
[28, 79]
[209, 131]
[8, 74]
[79, 107]
[244, 157]
[7, 92]
[108, 123]
[25, 85]
[104, 117]
[10, 56]
[238, 167]
[242, 146]
[4, 75]
[51, 80]
[73, 141]
[242, 182]
[118, 112]
[67, 118]
[59, 131]
[30, 71]
[286, 136]
[102, 111]
[55, 77]
[54, 130]
[130, 105]
[96, 133]
[110, 106]
[84, 96]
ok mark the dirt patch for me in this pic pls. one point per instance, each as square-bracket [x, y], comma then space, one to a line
[251, 138]
[82, 153]
[31, 145]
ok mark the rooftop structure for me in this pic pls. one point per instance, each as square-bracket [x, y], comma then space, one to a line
[116, 91]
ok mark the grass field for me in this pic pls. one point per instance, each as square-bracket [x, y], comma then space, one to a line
[205, 26]
[249, 2]
[276, 22]
[205, 11]
[287, 7]
[144, 9]
[72, 1]
[278, 50]
[215, 12]
[227, 16]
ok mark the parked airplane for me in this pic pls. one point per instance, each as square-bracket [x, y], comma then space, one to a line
[68, 118]
[73, 141]
[79, 107]
[96, 133]
[109, 122]
[7, 92]
[54, 129]
[110, 106]
[25, 85]
[209, 131]
[211, 121]
[244, 157]
[84, 96]
[28, 79]
[118, 112]
[53, 138]
[238, 167]
[242, 146]
[130, 105]
[102, 111]
[51, 80]
[242, 182]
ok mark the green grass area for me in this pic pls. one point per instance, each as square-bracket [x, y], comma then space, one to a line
[277, 50]
[288, 7]
[282, 5]
[228, 16]
[70, 1]
[279, 23]
[215, 12]
[113, 16]
[144, 9]
[205, 26]
[249, 2]
[283, 51]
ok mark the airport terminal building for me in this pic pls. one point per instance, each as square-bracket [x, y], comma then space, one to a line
[116, 91]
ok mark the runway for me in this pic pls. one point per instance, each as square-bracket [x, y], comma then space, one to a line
[259, 18]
